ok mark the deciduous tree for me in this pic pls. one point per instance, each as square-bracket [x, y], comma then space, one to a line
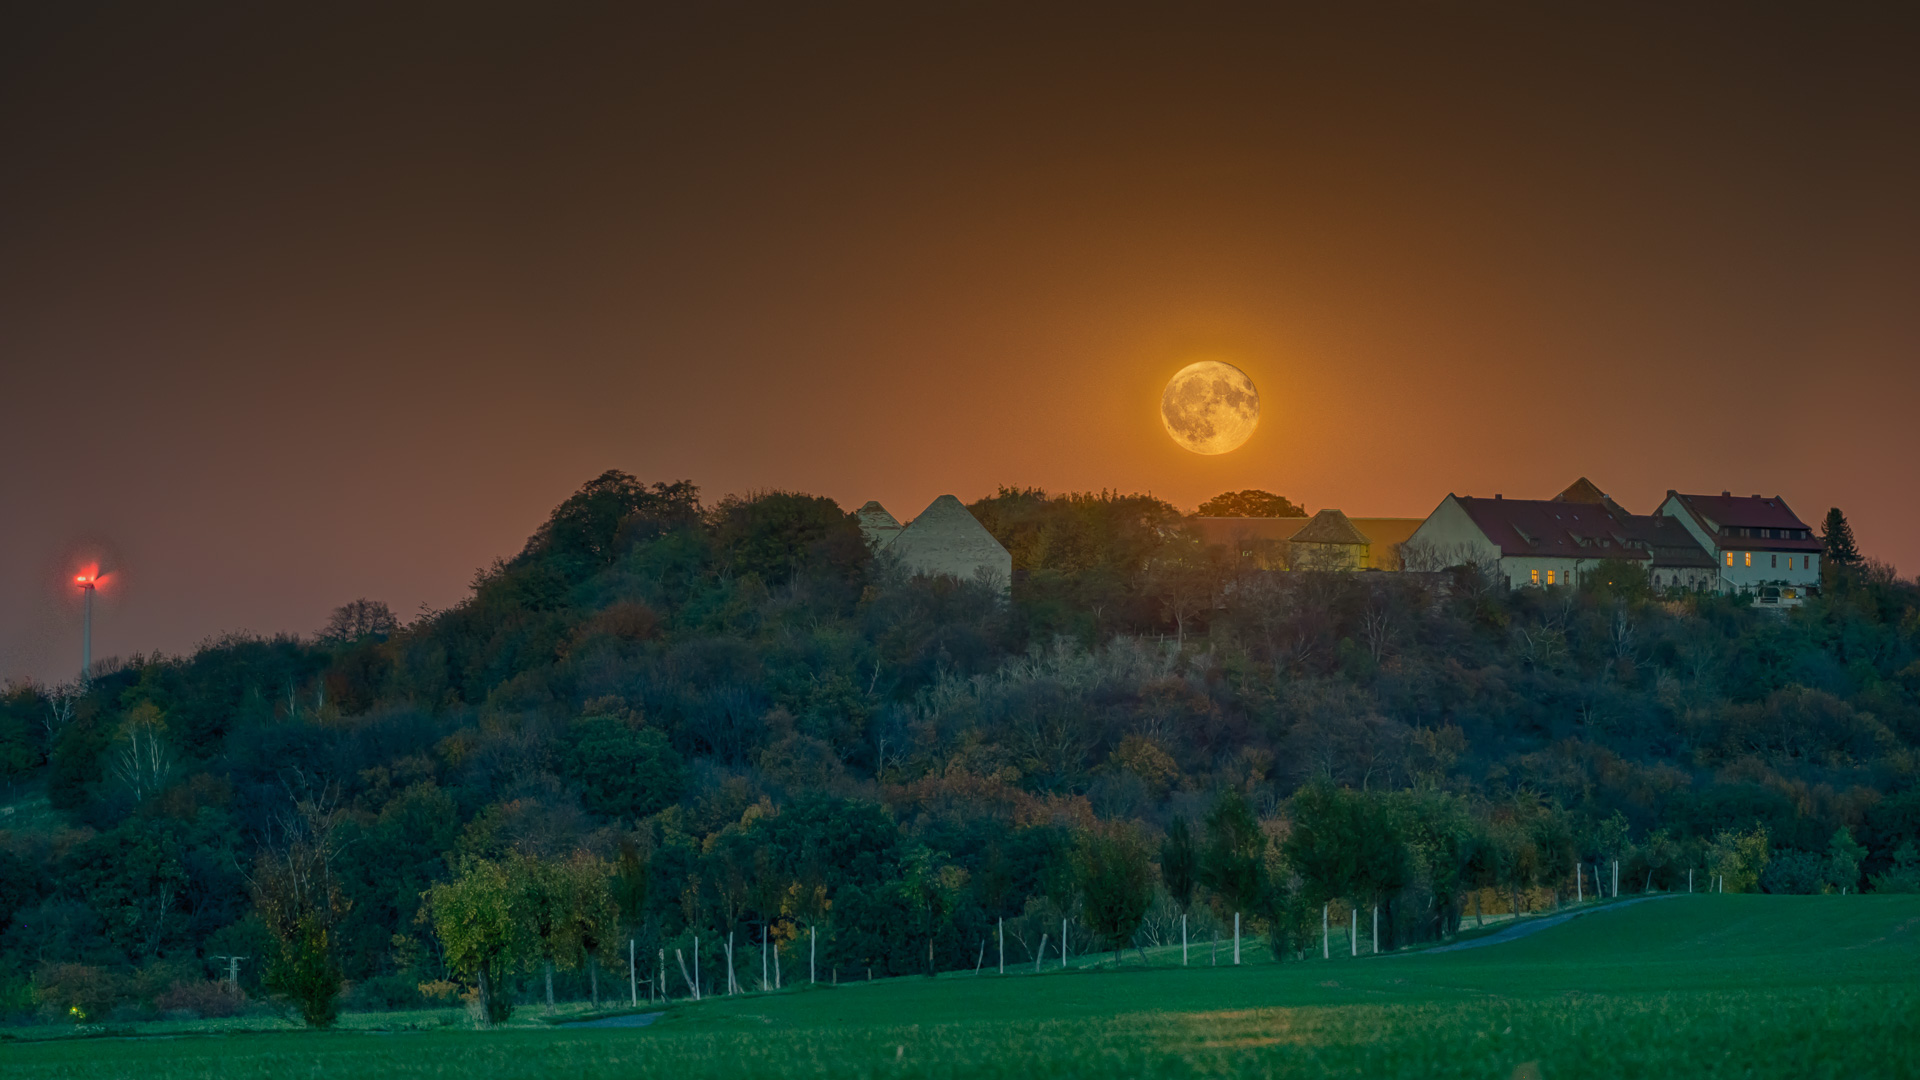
[1115, 880]
[1251, 503]
[486, 926]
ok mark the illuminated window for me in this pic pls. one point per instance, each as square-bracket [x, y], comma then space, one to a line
[1536, 577]
[1749, 558]
[1729, 558]
[1549, 577]
[1789, 562]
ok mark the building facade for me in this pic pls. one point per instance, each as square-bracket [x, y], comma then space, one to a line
[1528, 542]
[1756, 544]
[1329, 540]
[946, 539]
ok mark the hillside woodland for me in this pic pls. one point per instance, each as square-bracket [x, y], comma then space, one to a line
[667, 725]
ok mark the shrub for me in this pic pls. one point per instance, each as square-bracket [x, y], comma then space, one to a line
[304, 972]
[385, 993]
[1904, 875]
[1796, 873]
[206, 999]
[78, 992]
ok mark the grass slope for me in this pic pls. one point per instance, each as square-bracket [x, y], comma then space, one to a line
[1707, 985]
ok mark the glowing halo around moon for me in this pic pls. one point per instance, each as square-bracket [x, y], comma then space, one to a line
[1210, 407]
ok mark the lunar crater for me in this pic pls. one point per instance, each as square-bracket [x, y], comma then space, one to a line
[1210, 407]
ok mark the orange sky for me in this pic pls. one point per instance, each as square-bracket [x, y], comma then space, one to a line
[299, 311]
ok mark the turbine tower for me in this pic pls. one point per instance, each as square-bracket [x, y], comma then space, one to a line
[88, 586]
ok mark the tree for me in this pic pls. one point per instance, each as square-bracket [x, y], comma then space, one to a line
[359, 619]
[777, 535]
[486, 926]
[606, 515]
[1251, 503]
[627, 770]
[1836, 540]
[591, 918]
[1180, 864]
[629, 884]
[1844, 856]
[1115, 880]
[1347, 844]
[1233, 864]
[1739, 858]
[300, 900]
[1185, 578]
[1627, 579]
[1904, 875]
[142, 761]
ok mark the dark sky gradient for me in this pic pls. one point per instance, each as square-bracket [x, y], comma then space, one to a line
[300, 303]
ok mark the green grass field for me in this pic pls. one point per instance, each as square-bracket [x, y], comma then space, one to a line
[1700, 985]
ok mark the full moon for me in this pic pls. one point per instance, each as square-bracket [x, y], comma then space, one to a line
[1210, 407]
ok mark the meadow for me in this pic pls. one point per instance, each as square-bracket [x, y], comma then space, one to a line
[1734, 985]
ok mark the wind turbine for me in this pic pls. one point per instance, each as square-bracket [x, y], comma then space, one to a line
[89, 584]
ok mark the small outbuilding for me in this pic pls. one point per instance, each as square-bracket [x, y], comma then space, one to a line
[946, 539]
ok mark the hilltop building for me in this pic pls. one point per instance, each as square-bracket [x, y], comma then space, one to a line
[1699, 543]
[1675, 560]
[1327, 540]
[946, 539]
[878, 526]
[1554, 541]
[1756, 544]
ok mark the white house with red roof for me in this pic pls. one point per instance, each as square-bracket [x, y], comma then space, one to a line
[1759, 546]
[1527, 541]
[1556, 541]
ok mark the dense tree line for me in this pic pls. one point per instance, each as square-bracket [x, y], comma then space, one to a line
[676, 730]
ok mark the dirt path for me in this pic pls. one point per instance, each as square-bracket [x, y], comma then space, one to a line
[1534, 926]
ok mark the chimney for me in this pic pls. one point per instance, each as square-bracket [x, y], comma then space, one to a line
[1496, 494]
[1726, 494]
[1671, 493]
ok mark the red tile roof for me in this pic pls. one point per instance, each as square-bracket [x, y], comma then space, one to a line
[1718, 513]
[1542, 527]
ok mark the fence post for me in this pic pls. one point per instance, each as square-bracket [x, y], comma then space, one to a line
[1003, 944]
[1063, 944]
[1376, 929]
[1236, 939]
[1326, 948]
[1353, 931]
[813, 952]
[1616, 877]
[1041, 955]
[1183, 941]
[633, 974]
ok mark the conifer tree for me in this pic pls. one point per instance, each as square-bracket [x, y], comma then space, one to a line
[1836, 540]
